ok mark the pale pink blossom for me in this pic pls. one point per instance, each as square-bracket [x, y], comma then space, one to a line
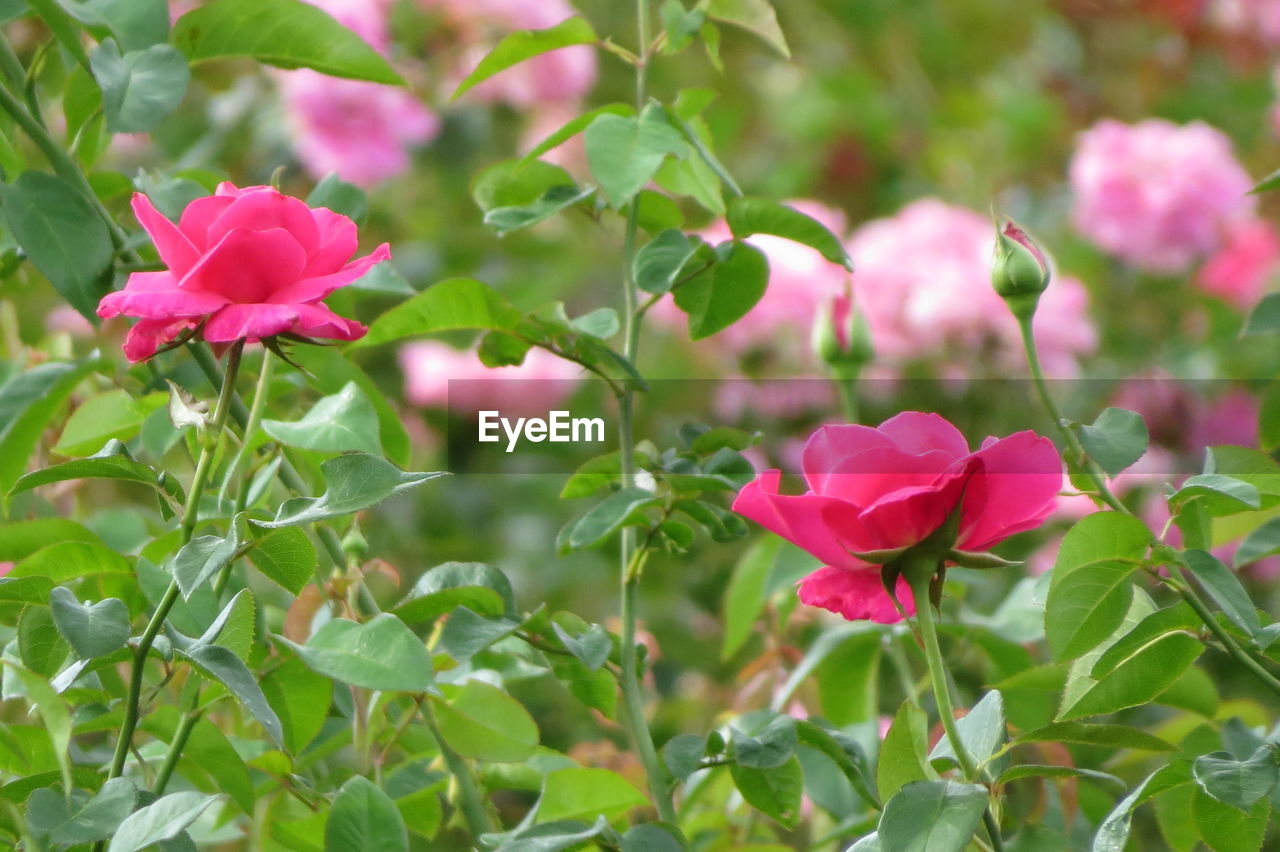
[1155, 194]
[68, 320]
[555, 77]
[800, 281]
[1240, 271]
[362, 131]
[923, 280]
[1259, 19]
[440, 376]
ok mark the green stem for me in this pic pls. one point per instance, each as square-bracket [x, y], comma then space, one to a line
[1232, 647]
[473, 809]
[846, 382]
[938, 678]
[190, 517]
[260, 394]
[180, 737]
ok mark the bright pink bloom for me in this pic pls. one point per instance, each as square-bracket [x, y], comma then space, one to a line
[437, 375]
[1240, 270]
[923, 280]
[1155, 194]
[555, 77]
[362, 131]
[891, 487]
[243, 264]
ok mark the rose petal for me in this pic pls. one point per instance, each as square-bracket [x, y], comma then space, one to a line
[1015, 490]
[199, 215]
[832, 444]
[248, 266]
[148, 335]
[321, 323]
[902, 518]
[176, 251]
[858, 594]
[315, 289]
[155, 295]
[264, 209]
[868, 476]
[797, 519]
[920, 432]
[337, 242]
[249, 322]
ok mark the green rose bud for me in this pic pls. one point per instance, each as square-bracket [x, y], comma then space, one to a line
[1020, 272]
[841, 337]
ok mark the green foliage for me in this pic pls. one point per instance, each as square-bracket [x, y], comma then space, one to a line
[380, 654]
[1116, 439]
[362, 816]
[524, 44]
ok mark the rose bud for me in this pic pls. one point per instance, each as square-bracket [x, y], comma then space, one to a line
[841, 337]
[1020, 272]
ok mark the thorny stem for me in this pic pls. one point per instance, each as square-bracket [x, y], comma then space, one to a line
[473, 809]
[190, 517]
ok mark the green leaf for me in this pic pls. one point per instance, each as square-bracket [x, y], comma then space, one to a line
[466, 634]
[554, 836]
[593, 475]
[347, 199]
[111, 462]
[845, 753]
[1219, 494]
[452, 305]
[748, 216]
[135, 23]
[62, 235]
[681, 24]
[902, 754]
[97, 819]
[479, 587]
[379, 654]
[92, 629]
[592, 645]
[724, 293]
[285, 556]
[1108, 736]
[1113, 833]
[40, 646]
[763, 739]
[572, 128]
[1090, 591]
[283, 33]
[1239, 783]
[576, 793]
[55, 715]
[932, 816]
[363, 817]
[652, 837]
[1259, 544]
[755, 16]
[300, 699]
[774, 792]
[1179, 617]
[658, 264]
[1053, 771]
[982, 731]
[1225, 588]
[1115, 440]
[624, 152]
[596, 688]
[114, 415]
[204, 556]
[504, 220]
[518, 46]
[333, 371]
[482, 722]
[1138, 679]
[71, 560]
[1268, 183]
[141, 88]
[607, 517]
[163, 819]
[224, 666]
[1265, 316]
[335, 424]
[683, 754]
[27, 403]
[354, 482]
[23, 538]
[1227, 829]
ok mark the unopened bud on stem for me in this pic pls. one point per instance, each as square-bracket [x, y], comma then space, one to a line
[1020, 271]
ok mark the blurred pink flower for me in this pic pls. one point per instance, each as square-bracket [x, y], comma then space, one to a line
[561, 75]
[1232, 418]
[923, 279]
[1258, 19]
[1240, 270]
[5, 568]
[800, 281]
[1156, 194]
[67, 319]
[363, 131]
[439, 376]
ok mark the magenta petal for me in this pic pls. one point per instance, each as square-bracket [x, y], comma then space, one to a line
[176, 251]
[199, 215]
[321, 323]
[797, 519]
[248, 266]
[249, 322]
[155, 295]
[148, 335]
[1015, 490]
[858, 594]
[920, 432]
[315, 289]
[338, 241]
[868, 476]
[832, 444]
[267, 209]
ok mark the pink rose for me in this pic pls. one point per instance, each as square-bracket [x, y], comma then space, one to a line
[243, 264]
[1156, 194]
[1240, 271]
[893, 486]
[437, 375]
